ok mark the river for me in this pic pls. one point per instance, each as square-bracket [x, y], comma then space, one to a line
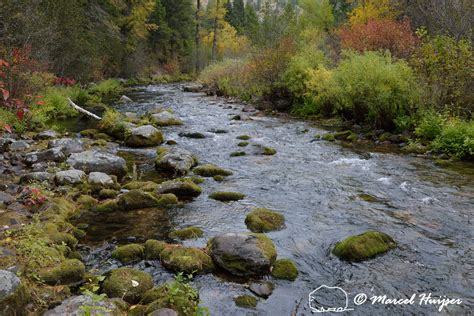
[326, 191]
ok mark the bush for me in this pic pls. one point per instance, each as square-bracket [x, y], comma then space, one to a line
[430, 125]
[53, 105]
[456, 139]
[446, 64]
[107, 87]
[367, 88]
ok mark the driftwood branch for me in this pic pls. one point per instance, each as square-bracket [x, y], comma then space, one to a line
[83, 111]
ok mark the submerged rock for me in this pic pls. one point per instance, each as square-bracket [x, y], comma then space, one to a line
[182, 188]
[128, 253]
[67, 272]
[13, 295]
[128, 284]
[243, 137]
[195, 135]
[175, 160]
[226, 196]
[69, 177]
[165, 118]
[364, 246]
[74, 306]
[187, 260]
[262, 220]
[263, 289]
[246, 301]
[144, 136]
[95, 161]
[284, 269]
[187, 233]
[243, 254]
[210, 170]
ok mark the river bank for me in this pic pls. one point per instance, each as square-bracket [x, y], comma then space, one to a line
[326, 193]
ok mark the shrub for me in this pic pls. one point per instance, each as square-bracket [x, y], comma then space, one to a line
[107, 87]
[456, 139]
[430, 125]
[367, 88]
[53, 105]
[394, 36]
[446, 66]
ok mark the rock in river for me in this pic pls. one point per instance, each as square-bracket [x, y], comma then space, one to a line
[182, 188]
[74, 306]
[175, 160]
[144, 136]
[90, 161]
[364, 246]
[128, 284]
[165, 118]
[243, 254]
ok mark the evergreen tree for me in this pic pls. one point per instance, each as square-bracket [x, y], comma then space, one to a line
[251, 24]
[239, 13]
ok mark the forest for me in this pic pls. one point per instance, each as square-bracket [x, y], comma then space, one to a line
[198, 157]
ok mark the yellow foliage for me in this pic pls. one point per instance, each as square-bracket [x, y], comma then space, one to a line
[371, 9]
[228, 41]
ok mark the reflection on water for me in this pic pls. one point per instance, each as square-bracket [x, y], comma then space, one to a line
[327, 192]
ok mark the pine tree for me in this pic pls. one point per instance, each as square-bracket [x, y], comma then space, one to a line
[239, 13]
[251, 23]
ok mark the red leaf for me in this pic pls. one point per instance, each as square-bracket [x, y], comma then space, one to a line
[40, 102]
[20, 114]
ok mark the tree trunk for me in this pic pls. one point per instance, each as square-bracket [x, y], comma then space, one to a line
[216, 21]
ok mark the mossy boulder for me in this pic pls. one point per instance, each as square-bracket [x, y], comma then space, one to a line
[187, 260]
[147, 186]
[243, 254]
[364, 246]
[210, 170]
[243, 137]
[342, 135]
[128, 253]
[195, 135]
[226, 196]
[197, 180]
[182, 188]
[165, 118]
[243, 144]
[284, 269]
[108, 206]
[137, 199]
[144, 136]
[175, 160]
[187, 233]
[153, 249]
[268, 151]
[262, 220]
[108, 193]
[128, 284]
[177, 296]
[14, 295]
[328, 137]
[246, 301]
[415, 148]
[238, 154]
[63, 238]
[67, 272]
[86, 201]
[218, 178]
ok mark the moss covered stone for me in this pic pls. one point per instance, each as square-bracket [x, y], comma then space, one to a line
[63, 238]
[108, 206]
[226, 196]
[144, 136]
[243, 137]
[246, 301]
[364, 246]
[138, 199]
[177, 296]
[195, 135]
[238, 154]
[268, 151]
[342, 135]
[67, 272]
[187, 233]
[128, 284]
[218, 178]
[182, 188]
[328, 137]
[87, 201]
[188, 260]
[196, 179]
[210, 170]
[262, 220]
[108, 194]
[153, 249]
[285, 269]
[243, 144]
[128, 253]
[147, 186]
[14, 295]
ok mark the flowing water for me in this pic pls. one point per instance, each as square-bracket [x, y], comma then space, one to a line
[326, 192]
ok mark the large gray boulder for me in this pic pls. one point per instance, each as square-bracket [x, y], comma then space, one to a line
[175, 160]
[55, 154]
[68, 145]
[13, 295]
[165, 118]
[69, 177]
[95, 161]
[144, 136]
[100, 179]
[73, 306]
[243, 254]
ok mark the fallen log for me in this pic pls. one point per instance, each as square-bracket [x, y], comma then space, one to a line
[81, 110]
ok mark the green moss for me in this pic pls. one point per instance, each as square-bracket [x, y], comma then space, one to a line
[218, 178]
[75, 255]
[262, 220]
[108, 193]
[415, 148]
[180, 187]
[113, 124]
[196, 179]
[137, 310]
[187, 260]
[342, 135]
[89, 132]
[16, 302]
[176, 295]
[153, 249]
[352, 137]
[128, 284]
[238, 154]
[364, 246]
[187, 233]
[128, 253]
[226, 196]
[138, 199]
[78, 233]
[285, 269]
[67, 272]
[243, 144]
[63, 238]
[243, 137]
[87, 201]
[139, 141]
[385, 136]
[195, 135]
[152, 295]
[267, 246]
[328, 137]
[147, 186]
[210, 170]
[246, 301]
[268, 151]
